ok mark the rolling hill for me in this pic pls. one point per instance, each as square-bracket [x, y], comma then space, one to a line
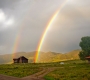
[44, 56]
[55, 57]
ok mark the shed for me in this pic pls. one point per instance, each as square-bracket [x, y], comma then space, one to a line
[21, 59]
[88, 58]
[61, 62]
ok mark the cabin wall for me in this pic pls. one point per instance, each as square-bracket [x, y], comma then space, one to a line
[23, 60]
[88, 60]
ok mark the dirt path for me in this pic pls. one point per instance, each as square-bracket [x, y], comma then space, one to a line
[4, 77]
[37, 76]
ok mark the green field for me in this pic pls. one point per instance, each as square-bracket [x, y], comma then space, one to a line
[71, 70]
[19, 70]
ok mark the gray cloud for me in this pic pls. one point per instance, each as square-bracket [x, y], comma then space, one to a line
[27, 20]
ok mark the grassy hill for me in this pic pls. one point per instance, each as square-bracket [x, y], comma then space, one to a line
[44, 57]
[55, 57]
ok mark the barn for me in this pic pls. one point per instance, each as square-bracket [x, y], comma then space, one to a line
[21, 59]
[88, 58]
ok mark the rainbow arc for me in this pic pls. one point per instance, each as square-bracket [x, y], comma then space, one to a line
[49, 25]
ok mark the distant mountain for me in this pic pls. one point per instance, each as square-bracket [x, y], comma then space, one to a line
[55, 57]
[44, 57]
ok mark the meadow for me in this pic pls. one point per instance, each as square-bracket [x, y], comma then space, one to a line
[19, 70]
[70, 70]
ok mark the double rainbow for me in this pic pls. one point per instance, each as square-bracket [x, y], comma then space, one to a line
[49, 24]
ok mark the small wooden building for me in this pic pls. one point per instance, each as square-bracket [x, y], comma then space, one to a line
[21, 59]
[88, 58]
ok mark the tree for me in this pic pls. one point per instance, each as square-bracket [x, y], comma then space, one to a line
[85, 46]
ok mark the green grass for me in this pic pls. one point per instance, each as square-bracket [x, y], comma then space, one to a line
[19, 70]
[72, 71]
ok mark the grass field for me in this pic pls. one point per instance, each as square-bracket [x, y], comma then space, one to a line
[19, 70]
[71, 70]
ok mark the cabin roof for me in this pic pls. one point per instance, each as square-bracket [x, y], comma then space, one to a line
[88, 57]
[19, 58]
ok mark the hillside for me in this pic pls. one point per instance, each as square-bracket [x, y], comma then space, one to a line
[44, 57]
[55, 57]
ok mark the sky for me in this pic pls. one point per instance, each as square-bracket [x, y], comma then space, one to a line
[22, 24]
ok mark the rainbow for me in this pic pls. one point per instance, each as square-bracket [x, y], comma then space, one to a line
[48, 26]
[18, 35]
[16, 44]
[17, 40]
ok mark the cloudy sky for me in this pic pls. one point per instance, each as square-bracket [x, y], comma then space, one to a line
[22, 23]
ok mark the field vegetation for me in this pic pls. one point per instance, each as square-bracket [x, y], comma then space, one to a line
[19, 70]
[73, 70]
[70, 70]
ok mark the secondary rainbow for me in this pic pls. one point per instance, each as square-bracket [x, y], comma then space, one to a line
[16, 44]
[18, 35]
[49, 24]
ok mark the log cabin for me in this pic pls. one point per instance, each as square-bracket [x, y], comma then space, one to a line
[21, 59]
